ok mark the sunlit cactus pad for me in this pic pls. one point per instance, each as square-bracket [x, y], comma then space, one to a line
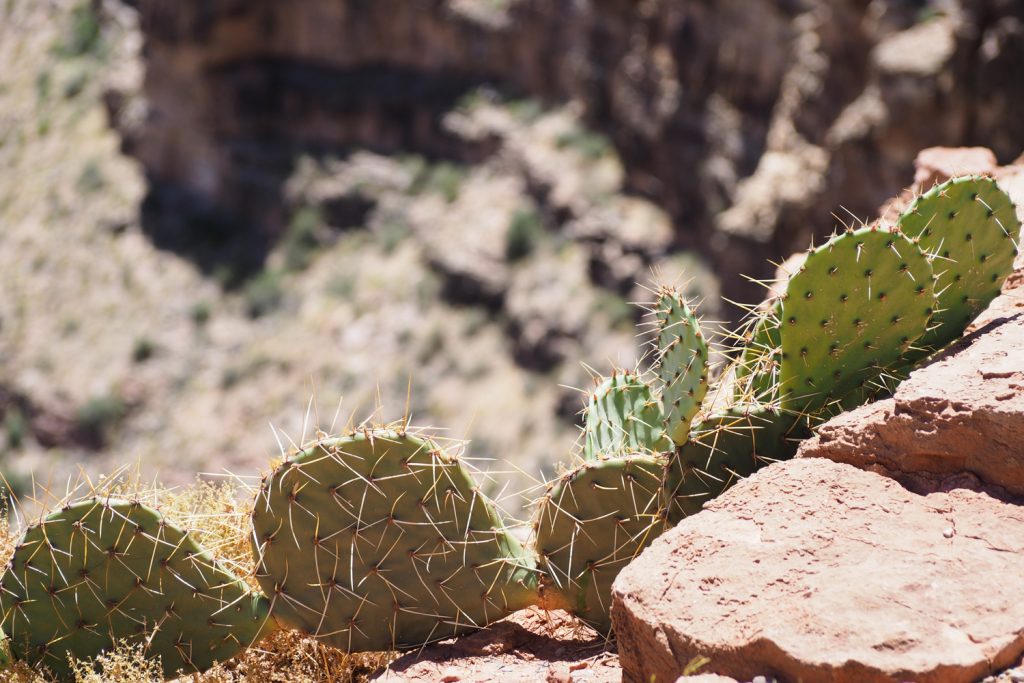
[970, 228]
[623, 416]
[591, 522]
[682, 362]
[102, 570]
[381, 540]
[850, 313]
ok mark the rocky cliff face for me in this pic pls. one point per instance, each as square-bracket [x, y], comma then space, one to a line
[749, 122]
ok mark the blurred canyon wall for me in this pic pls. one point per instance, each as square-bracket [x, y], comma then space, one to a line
[749, 121]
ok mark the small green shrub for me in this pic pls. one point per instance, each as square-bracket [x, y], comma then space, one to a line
[342, 285]
[75, 85]
[391, 233]
[444, 178]
[302, 238]
[263, 294]
[83, 34]
[99, 415]
[200, 313]
[526, 110]
[19, 485]
[44, 83]
[236, 374]
[15, 426]
[586, 143]
[525, 229]
[143, 350]
[616, 309]
[91, 179]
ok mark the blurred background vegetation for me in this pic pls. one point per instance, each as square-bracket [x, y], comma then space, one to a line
[217, 214]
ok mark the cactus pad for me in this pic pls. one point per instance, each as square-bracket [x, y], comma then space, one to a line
[757, 369]
[102, 570]
[623, 417]
[848, 316]
[380, 540]
[724, 448]
[682, 362]
[969, 227]
[591, 522]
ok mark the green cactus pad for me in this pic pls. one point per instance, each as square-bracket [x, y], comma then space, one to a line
[757, 369]
[380, 540]
[682, 362]
[724, 448]
[102, 570]
[969, 227]
[623, 417]
[850, 313]
[591, 522]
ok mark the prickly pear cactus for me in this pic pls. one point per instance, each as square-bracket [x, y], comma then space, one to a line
[381, 540]
[969, 227]
[623, 416]
[723, 448]
[756, 376]
[102, 570]
[682, 362]
[854, 308]
[591, 522]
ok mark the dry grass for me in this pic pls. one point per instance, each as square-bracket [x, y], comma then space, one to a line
[217, 514]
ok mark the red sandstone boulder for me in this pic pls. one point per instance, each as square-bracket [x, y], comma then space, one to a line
[938, 164]
[813, 570]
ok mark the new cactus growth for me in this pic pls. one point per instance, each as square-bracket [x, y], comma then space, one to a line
[380, 540]
[623, 416]
[101, 570]
[591, 522]
[969, 228]
[682, 362]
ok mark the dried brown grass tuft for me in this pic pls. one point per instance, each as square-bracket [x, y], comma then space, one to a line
[288, 656]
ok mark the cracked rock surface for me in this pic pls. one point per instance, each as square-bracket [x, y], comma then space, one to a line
[814, 570]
